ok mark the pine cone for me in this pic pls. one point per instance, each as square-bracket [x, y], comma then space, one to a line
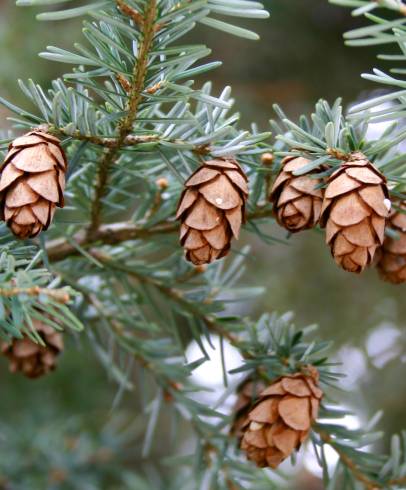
[211, 210]
[281, 419]
[355, 209]
[32, 181]
[32, 359]
[392, 262]
[247, 394]
[296, 199]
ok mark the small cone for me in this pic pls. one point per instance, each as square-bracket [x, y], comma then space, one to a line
[211, 210]
[31, 359]
[355, 209]
[281, 419]
[32, 181]
[392, 262]
[296, 199]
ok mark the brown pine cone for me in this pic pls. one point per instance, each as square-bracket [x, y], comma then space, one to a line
[247, 394]
[281, 419]
[32, 359]
[392, 262]
[354, 212]
[211, 210]
[296, 199]
[32, 181]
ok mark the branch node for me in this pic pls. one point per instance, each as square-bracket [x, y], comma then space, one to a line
[130, 12]
[125, 84]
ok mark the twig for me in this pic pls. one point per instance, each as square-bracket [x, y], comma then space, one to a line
[60, 295]
[108, 142]
[126, 123]
[358, 474]
[130, 12]
[169, 292]
[130, 140]
[112, 234]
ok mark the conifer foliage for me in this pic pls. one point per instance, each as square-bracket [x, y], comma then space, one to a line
[142, 143]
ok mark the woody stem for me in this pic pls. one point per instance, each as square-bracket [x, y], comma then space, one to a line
[126, 123]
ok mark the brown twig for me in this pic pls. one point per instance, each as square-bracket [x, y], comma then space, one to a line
[155, 88]
[130, 140]
[354, 469]
[126, 123]
[338, 154]
[112, 234]
[125, 84]
[60, 295]
[130, 12]
[108, 142]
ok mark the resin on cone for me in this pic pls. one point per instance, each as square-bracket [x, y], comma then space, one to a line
[31, 359]
[355, 209]
[392, 262]
[281, 419]
[212, 209]
[32, 181]
[296, 199]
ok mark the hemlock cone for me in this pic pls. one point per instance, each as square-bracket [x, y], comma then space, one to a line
[281, 419]
[32, 182]
[212, 209]
[354, 212]
[31, 359]
[392, 262]
[247, 395]
[296, 200]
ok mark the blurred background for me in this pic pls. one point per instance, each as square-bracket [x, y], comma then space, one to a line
[66, 428]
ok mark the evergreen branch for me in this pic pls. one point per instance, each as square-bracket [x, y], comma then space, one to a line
[130, 140]
[28, 292]
[126, 124]
[112, 234]
[110, 142]
[169, 292]
[61, 295]
[176, 392]
[357, 472]
[286, 353]
[349, 463]
[130, 12]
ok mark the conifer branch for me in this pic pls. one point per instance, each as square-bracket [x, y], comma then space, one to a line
[349, 463]
[367, 481]
[169, 292]
[174, 128]
[130, 140]
[112, 234]
[60, 295]
[108, 142]
[126, 123]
